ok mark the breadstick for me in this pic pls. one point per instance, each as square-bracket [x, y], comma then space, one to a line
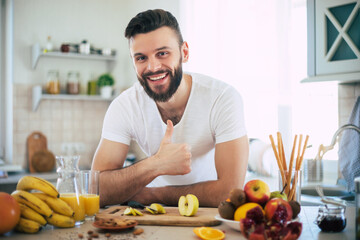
[303, 152]
[277, 158]
[291, 165]
[281, 151]
[298, 153]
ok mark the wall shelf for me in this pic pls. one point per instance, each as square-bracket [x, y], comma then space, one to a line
[37, 54]
[38, 96]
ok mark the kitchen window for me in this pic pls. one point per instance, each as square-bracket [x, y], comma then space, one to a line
[260, 48]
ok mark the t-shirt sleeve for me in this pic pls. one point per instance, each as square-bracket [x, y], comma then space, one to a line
[228, 116]
[116, 126]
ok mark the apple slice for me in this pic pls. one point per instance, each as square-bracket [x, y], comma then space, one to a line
[158, 207]
[188, 205]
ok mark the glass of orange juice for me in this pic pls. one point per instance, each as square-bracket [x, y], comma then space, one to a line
[90, 192]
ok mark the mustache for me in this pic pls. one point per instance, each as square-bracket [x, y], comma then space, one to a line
[147, 74]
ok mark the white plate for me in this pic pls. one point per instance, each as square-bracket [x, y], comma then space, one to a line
[231, 223]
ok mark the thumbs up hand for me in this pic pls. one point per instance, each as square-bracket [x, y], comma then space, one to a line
[173, 158]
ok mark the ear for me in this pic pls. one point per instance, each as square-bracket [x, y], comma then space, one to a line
[185, 52]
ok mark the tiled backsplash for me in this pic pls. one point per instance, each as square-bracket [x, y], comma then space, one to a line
[348, 93]
[60, 121]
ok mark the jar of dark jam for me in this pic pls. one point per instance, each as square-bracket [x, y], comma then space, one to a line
[331, 218]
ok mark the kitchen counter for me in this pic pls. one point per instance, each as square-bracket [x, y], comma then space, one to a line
[307, 217]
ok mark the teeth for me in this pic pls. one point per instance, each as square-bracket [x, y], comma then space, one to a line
[157, 78]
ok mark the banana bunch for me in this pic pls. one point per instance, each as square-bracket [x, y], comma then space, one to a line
[42, 207]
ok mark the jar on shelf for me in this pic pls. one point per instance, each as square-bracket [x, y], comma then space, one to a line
[53, 82]
[331, 218]
[73, 83]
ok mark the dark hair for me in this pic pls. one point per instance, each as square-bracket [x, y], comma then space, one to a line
[151, 20]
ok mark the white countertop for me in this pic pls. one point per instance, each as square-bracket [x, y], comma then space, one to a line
[307, 217]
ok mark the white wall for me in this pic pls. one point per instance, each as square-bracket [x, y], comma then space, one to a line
[101, 22]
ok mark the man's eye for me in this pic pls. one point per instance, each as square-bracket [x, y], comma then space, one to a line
[162, 53]
[141, 58]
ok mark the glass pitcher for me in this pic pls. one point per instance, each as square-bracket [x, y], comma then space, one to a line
[69, 185]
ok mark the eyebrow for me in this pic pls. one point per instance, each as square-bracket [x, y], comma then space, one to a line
[156, 50]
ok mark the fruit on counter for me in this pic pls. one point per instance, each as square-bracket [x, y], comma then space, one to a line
[226, 210]
[257, 191]
[237, 197]
[9, 212]
[27, 183]
[27, 226]
[250, 210]
[150, 210]
[295, 207]
[132, 211]
[278, 194]
[56, 204]
[288, 231]
[158, 208]
[263, 219]
[188, 205]
[209, 233]
[30, 214]
[33, 202]
[278, 210]
[61, 221]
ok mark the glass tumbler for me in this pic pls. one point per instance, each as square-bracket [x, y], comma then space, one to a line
[90, 192]
[293, 187]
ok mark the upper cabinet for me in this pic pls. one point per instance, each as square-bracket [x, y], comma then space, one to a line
[333, 40]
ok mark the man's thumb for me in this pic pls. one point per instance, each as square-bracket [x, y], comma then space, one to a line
[169, 132]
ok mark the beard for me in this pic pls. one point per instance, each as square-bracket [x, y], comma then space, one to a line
[175, 80]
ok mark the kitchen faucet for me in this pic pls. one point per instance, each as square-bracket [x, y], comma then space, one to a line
[323, 149]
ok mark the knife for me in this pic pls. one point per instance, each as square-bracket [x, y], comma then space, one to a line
[136, 204]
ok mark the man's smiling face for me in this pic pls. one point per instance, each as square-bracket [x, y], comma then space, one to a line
[158, 61]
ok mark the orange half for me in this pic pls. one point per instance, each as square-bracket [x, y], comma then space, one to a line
[208, 233]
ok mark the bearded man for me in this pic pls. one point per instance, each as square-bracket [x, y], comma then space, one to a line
[190, 126]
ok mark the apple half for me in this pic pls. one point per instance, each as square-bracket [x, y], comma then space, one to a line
[188, 205]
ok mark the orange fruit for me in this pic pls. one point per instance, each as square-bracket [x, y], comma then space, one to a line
[241, 211]
[208, 233]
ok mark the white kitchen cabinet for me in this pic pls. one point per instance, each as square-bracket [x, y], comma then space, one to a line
[333, 40]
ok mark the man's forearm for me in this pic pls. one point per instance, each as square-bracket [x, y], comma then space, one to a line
[209, 193]
[118, 186]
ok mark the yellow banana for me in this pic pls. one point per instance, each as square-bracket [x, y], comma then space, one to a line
[33, 202]
[27, 183]
[62, 221]
[30, 214]
[56, 204]
[27, 226]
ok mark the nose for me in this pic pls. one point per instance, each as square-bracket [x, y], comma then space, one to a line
[153, 65]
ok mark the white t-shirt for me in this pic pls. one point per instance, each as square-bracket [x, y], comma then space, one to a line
[213, 114]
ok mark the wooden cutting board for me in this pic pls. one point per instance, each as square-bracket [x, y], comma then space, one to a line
[36, 142]
[204, 217]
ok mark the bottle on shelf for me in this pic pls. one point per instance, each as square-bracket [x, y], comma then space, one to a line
[49, 46]
[73, 83]
[53, 82]
[92, 85]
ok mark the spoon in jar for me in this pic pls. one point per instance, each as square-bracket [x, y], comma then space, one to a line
[324, 199]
